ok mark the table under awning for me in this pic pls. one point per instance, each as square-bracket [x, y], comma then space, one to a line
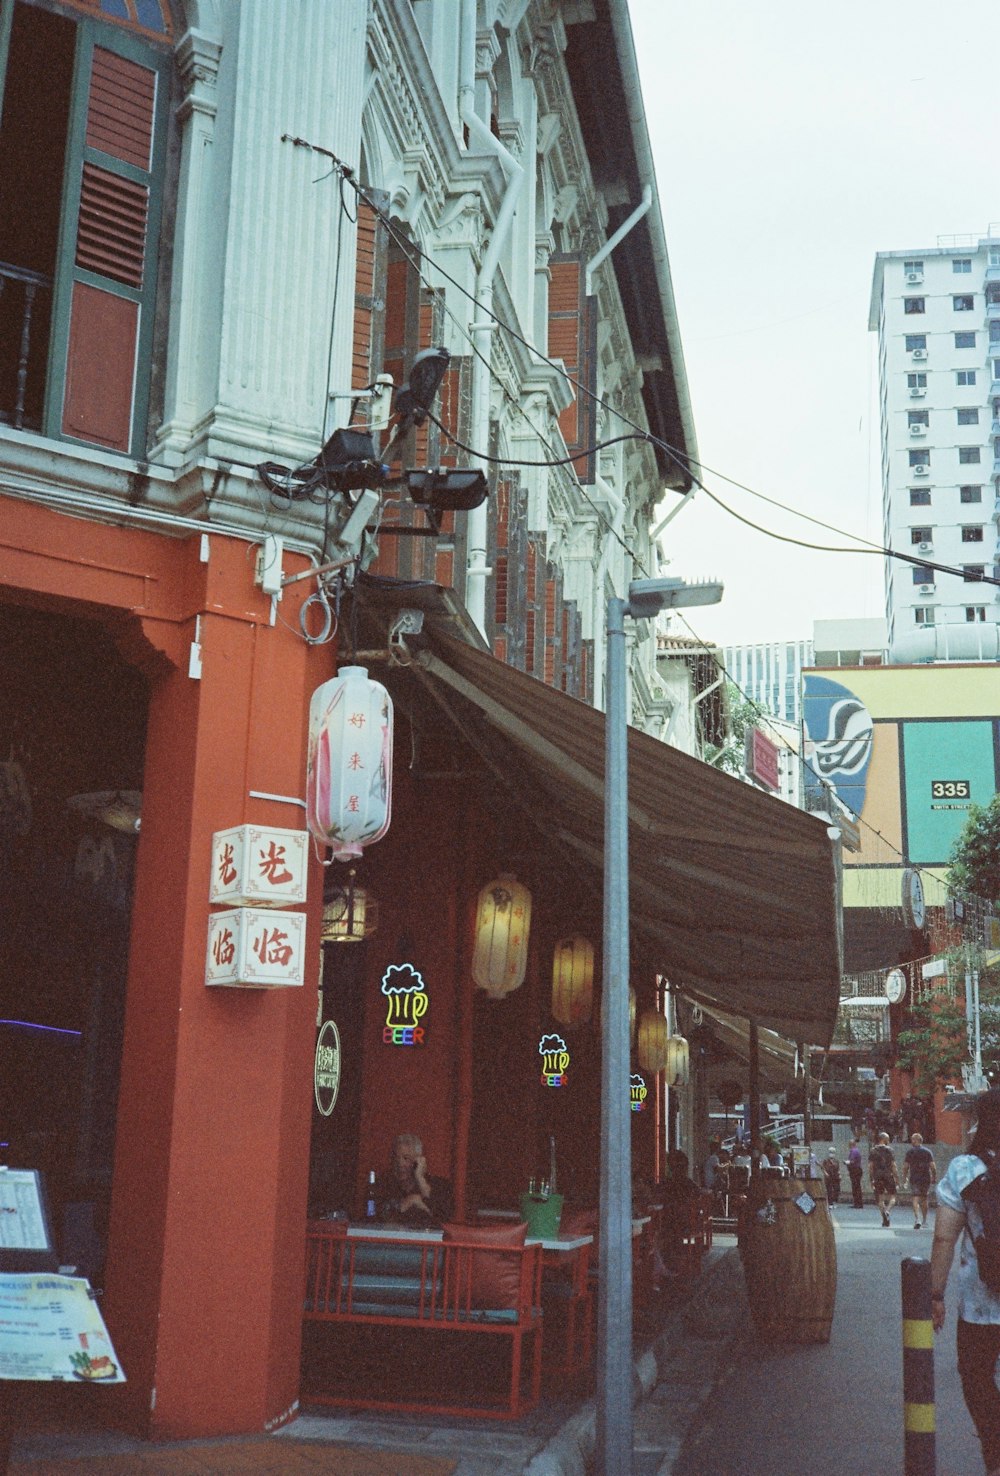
[733, 894]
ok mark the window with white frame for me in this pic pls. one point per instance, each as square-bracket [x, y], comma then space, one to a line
[974, 613]
[913, 266]
[923, 576]
[924, 614]
[963, 302]
[969, 455]
[972, 534]
[965, 340]
[916, 381]
[969, 493]
[973, 573]
[913, 305]
[993, 256]
[920, 458]
[916, 342]
[920, 535]
[968, 415]
[962, 265]
[920, 496]
[918, 417]
[965, 376]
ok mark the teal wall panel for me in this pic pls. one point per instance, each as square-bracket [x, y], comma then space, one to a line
[947, 767]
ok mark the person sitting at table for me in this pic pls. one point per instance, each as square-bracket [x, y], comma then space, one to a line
[414, 1197]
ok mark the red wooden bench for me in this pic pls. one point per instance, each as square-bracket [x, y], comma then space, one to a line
[434, 1285]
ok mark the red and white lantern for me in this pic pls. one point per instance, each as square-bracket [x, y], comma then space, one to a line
[349, 770]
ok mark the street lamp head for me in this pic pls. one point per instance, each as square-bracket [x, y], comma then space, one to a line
[647, 597]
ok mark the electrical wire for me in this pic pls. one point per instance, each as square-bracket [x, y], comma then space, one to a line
[511, 461]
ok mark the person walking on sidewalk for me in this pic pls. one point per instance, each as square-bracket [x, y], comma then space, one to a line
[831, 1173]
[958, 1218]
[882, 1170]
[920, 1172]
[855, 1171]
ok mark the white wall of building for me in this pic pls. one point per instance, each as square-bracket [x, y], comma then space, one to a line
[940, 405]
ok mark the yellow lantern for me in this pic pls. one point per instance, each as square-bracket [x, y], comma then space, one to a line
[678, 1061]
[503, 922]
[653, 1040]
[573, 981]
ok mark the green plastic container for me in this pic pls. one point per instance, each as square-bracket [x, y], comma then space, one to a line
[542, 1215]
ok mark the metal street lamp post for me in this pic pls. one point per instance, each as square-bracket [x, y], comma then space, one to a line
[646, 598]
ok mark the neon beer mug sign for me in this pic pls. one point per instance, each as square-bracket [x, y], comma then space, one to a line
[638, 1092]
[555, 1060]
[406, 1005]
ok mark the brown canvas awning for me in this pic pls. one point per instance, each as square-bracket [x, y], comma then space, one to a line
[733, 894]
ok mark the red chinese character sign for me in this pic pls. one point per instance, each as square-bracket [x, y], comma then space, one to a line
[555, 1060]
[258, 866]
[349, 769]
[406, 1005]
[256, 949]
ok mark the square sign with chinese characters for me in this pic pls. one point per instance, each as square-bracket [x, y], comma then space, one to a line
[254, 949]
[254, 866]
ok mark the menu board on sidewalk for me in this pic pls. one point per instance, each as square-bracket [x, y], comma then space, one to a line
[51, 1329]
[23, 1221]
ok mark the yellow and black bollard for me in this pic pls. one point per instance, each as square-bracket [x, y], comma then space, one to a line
[919, 1455]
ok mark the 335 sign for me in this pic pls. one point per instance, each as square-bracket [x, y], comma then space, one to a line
[950, 789]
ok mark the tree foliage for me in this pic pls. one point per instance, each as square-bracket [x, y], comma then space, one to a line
[975, 857]
[743, 715]
[934, 1043]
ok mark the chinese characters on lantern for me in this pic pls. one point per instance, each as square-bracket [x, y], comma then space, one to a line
[406, 996]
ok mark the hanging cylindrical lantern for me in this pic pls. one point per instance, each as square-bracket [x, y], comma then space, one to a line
[678, 1058]
[573, 980]
[349, 916]
[503, 921]
[349, 769]
[653, 1038]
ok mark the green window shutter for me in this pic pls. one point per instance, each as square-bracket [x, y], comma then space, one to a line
[106, 273]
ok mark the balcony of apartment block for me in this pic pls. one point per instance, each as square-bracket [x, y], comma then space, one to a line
[25, 311]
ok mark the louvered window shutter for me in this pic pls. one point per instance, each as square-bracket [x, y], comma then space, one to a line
[573, 338]
[106, 275]
[369, 292]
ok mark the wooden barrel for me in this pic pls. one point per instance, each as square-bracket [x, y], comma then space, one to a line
[789, 1260]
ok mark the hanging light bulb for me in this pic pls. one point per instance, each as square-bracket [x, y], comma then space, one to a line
[573, 980]
[503, 922]
[349, 767]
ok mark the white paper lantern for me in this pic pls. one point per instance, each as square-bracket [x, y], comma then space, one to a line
[653, 1041]
[503, 922]
[678, 1059]
[349, 770]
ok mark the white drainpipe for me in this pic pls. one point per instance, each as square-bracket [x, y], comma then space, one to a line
[476, 571]
[619, 235]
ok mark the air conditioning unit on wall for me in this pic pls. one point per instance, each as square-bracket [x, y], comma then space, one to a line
[925, 547]
[920, 471]
[925, 589]
[920, 353]
[917, 393]
[918, 430]
[914, 276]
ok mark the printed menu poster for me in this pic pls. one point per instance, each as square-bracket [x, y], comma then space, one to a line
[22, 1220]
[50, 1329]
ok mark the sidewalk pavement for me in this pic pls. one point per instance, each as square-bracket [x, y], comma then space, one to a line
[680, 1353]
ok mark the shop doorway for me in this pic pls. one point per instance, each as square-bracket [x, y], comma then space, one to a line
[72, 740]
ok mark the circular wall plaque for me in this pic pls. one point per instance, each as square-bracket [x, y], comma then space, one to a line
[326, 1068]
[914, 911]
[895, 986]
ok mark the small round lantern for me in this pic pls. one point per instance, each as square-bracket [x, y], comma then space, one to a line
[503, 922]
[349, 916]
[349, 768]
[573, 981]
[652, 1044]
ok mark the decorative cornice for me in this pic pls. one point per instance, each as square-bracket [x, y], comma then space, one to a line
[197, 59]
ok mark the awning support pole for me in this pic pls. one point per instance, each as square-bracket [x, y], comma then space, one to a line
[614, 1317]
[753, 1064]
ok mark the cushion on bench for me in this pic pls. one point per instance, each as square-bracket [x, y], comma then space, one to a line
[494, 1280]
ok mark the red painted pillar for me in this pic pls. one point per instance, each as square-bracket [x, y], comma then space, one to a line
[211, 1166]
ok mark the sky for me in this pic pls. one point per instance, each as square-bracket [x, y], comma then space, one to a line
[792, 141]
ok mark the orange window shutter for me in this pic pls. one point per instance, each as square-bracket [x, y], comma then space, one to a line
[113, 270]
[368, 350]
[572, 338]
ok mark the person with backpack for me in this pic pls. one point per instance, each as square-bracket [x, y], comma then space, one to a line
[920, 1172]
[882, 1170]
[968, 1210]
